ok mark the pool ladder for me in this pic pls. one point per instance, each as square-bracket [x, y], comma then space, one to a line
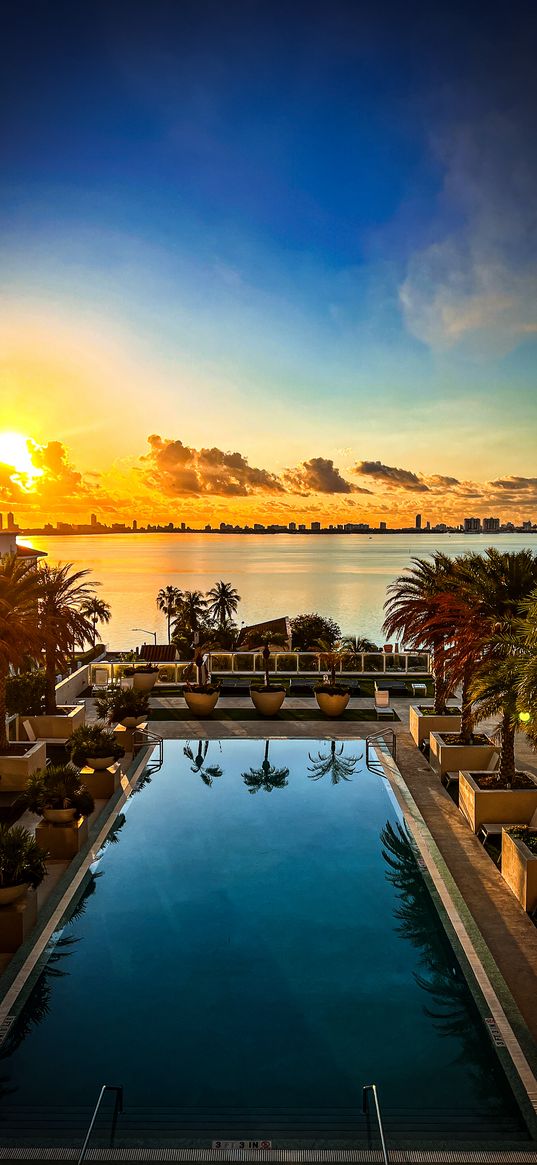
[386, 741]
[118, 1108]
[144, 736]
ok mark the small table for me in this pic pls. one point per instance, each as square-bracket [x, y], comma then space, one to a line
[419, 689]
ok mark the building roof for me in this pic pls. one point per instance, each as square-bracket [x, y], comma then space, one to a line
[158, 652]
[276, 627]
[30, 552]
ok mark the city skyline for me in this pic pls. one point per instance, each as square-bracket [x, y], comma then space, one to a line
[260, 255]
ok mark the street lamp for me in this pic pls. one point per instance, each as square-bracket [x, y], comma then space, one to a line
[146, 632]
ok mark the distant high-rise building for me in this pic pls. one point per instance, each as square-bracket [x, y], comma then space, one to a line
[183, 525]
[1, 521]
[491, 525]
[472, 525]
[292, 527]
[418, 521]
[382, 526]
[301, 528]
[134, 524]
[525, 526]
[93, 520]
[10, 522]
[315, 527]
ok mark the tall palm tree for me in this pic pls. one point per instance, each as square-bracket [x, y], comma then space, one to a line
[330, 657]
[339, 767]
[190, 612]
[266, 777]
[18, 623]
[410, 608]
[222, 603]
[354, 645]
[62, 622]
[168, 600]
[98, 611]
[527, 682]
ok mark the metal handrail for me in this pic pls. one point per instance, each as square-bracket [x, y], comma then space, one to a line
[143, 736]
[381, 735]
[118, 1107]
[367, 1088]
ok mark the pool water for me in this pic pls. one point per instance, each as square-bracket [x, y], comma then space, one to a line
[256, 945]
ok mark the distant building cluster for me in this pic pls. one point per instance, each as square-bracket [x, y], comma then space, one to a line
[94, 526]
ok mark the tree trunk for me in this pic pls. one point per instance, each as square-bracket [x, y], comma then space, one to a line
[50, 683]
[169, 626]
[266, 659]
[3, 713]
[467, 718]
[507, 767]
[94, 630]
[439, 672]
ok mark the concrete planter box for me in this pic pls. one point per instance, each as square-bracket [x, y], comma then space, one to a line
[499, 806]
[59, 727]
[451, 758]
[17, 920]
[15, 770]
[519, 868]
[62, 842]
[420, 724]
[267, 703]
[102, 783]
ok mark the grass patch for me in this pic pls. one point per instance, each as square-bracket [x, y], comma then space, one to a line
[222, 713]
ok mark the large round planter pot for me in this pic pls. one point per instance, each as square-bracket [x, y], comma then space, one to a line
[10, 894]
[144, 681]
[132, 721]
[201, 703]
[266, 702]
[99, 762]
[332, 706]
[59, 816]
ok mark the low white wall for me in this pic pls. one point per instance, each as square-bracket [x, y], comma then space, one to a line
[70, 688]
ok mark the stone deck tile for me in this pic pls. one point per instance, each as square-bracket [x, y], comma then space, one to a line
[507, 930]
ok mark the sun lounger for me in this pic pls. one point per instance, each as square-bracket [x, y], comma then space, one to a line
[453, 777]
[494, 828]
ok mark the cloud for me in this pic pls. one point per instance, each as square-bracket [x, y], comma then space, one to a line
[177, 470]
[319, 475]
[390, 476]
[475, 284]
[515, 484]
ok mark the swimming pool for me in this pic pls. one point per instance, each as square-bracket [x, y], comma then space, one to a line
[257, 945]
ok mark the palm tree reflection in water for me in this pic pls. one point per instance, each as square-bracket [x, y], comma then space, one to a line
[451, 1007]
[340, 767]
[266, 777]
[206, 772]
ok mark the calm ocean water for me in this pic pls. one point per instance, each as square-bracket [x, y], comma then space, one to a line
[342, 576]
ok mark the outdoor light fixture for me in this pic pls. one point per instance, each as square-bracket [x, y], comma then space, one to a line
[146, 632]
[524, 717]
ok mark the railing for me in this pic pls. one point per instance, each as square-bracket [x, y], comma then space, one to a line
[143, 736]
[387, 736]
[221, 663]
[118, 1108]
[365, 1108]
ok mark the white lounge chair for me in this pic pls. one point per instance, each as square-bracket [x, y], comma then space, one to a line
[382, 704]
[453, 777]
[494, 828]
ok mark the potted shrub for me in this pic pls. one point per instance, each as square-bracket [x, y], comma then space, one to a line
[22, 863]
[96, 746]
[267, 697]
[519, 864]
[18, 641]
[124, 706]
[58, 795]
[143, 677]
[332, 697]
[202, 697]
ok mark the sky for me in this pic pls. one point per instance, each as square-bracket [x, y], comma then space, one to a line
[266, 261]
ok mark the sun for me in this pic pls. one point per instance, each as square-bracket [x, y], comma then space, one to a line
[15, 452]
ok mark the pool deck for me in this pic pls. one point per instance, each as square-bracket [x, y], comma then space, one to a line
[506, 929]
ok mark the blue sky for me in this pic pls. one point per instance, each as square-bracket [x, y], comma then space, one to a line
[301, 230]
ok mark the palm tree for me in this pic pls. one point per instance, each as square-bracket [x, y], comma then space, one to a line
[411, 606]
[262, 643]
[527, 683]
[190, 611]
[330, 657]
[98, 611]
[222, 603]
[358, 645]
[62, 621]
[18, 623]
[206, 772]
[266, 777]
[339, 767]
[168, 600]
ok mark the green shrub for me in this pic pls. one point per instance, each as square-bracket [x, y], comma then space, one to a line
[57, 787]
[25, 693]
[94, 740]
[21, 859]
[115, 706]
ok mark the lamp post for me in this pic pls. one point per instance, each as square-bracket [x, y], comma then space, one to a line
[146, 632]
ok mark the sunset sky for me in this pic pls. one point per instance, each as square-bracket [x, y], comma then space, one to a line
[264, 261]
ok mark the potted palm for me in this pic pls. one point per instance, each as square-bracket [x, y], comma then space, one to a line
[58, 795]
[124, 706]
[22, 863]
[63, 624]
[267, 697]
[96, 746]
[201, 697]
[332, 697]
